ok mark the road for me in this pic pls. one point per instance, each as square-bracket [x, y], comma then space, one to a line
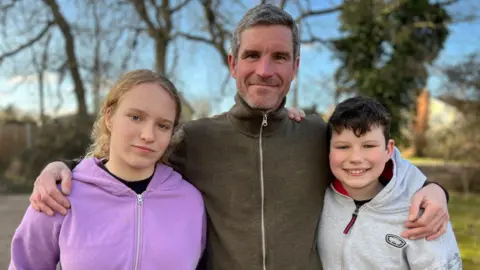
[12, 208]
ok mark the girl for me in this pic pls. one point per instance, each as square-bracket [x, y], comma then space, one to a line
[128, 210]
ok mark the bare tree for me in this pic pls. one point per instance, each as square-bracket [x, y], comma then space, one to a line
[72, 60]
[159, 25]
[41, 68]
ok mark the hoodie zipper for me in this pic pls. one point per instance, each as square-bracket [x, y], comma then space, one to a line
[352, 221]
[139, 228]
[346, 231]
[262, 190]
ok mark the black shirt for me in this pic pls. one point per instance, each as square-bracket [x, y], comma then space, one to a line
[138, 186]
[382, 181]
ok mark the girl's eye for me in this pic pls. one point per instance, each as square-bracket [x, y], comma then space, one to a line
[164, 127]
[135, 117]
[341, 147]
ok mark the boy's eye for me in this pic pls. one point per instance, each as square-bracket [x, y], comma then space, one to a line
[370, 146]
[341, 147]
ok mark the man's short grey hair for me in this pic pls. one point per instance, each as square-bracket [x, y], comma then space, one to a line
[265, 14]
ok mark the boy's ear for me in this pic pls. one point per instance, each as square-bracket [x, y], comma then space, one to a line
[390, 148]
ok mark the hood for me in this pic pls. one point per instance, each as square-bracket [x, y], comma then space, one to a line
[404, 179]
[89, 171]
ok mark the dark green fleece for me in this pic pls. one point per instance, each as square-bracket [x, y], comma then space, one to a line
[221, 156]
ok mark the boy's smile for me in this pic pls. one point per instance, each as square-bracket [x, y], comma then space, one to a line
[357, 162]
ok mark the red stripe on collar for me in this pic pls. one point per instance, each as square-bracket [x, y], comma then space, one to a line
[386, 175]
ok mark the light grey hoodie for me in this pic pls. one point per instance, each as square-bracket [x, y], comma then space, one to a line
[370, 239]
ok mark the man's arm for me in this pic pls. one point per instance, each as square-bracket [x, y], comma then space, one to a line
[432, 223]
[444, 189]
[46, 197]
[72, 163]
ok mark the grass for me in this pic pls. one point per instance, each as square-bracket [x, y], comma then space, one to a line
[465, 218]
[432, 161]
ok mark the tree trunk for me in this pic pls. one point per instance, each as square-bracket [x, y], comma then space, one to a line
[421, 123]
[72, 59]
[161, 47]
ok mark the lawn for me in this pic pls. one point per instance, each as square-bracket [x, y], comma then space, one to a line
[465, 218]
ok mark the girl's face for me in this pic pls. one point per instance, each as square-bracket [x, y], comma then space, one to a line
[141, 126]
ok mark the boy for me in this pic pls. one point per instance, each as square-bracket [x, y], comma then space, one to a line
[368, 201]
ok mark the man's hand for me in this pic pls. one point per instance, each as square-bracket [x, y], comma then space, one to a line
[296, 114]
[45, 196]
[433, 222]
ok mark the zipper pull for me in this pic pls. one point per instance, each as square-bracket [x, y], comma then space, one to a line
[140, 199]
[264, 121]
[352, 221]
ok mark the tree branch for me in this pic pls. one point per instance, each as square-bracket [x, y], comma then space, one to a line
[179, 6]
[28, 43]
[71, 55]
[195, 38]
[142, 12]
[311, 13]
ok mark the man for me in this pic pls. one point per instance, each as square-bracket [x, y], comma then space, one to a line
[262, 176]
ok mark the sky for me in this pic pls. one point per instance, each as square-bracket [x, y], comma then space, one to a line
[200, 70]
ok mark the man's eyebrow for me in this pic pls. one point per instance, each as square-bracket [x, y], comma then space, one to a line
[249, 51]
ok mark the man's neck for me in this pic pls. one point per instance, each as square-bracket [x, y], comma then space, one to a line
[126, 172]
[365, 193]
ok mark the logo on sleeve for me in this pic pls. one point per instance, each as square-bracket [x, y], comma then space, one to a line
[395, 240]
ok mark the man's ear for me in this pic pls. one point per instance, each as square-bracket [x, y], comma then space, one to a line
[108, 119]
[232, 65]
[296, 65]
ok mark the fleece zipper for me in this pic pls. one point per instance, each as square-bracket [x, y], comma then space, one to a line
[139, 230]
[262, 190]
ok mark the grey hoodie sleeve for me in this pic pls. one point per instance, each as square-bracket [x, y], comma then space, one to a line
[439, 254]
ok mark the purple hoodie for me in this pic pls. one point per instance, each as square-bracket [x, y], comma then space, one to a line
[109, 226]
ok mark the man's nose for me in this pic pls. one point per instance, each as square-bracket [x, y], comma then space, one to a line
[265, 68]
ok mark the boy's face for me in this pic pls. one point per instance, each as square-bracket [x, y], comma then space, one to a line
[358, 161]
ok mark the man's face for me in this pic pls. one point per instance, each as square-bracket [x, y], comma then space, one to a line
[265, 66]
[358, 161]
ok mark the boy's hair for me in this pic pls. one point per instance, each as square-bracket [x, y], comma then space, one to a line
[360, 114]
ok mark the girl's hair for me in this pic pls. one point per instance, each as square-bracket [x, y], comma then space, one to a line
[100, 147]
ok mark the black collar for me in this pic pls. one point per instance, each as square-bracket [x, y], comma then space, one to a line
[249, 120]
